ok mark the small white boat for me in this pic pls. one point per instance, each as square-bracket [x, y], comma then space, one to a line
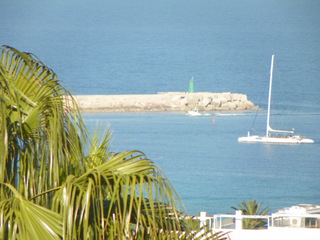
[288, 138]
[193, 112]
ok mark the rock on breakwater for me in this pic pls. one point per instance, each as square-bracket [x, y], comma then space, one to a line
[166, 101]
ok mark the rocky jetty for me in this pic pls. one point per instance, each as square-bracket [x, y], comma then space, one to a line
[166, 101]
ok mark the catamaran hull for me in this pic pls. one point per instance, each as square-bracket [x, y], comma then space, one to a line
[285, 139]
[275, 140]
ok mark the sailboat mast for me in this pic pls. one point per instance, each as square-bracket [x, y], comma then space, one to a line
[269, 97]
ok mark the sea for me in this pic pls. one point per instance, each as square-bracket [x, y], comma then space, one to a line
[145, 47]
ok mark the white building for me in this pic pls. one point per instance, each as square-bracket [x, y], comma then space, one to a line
[298, 216]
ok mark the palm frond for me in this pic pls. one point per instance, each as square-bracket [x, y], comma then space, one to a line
[99, 149]
[51, 188]
[252, 208]
[122, 196]
[37, 121]
[25, 220]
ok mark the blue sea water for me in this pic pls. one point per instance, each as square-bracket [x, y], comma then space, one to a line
[210, 170]
[139, 47]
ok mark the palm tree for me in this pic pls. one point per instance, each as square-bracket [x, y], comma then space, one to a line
[252, 208]
[51, 187]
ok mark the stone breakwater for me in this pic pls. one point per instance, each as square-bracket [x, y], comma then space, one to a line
[168, 101]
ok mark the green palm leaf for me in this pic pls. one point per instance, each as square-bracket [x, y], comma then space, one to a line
[58, 183]
[130, 190]
[36, 121]
[252, 208]
[26, 220]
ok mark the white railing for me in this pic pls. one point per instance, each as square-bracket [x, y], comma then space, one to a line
[230, 221]
[275, 220]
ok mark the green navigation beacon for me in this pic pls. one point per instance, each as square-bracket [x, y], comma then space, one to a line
[191, 86]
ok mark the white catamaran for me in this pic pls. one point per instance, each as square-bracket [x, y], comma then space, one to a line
[287, 138]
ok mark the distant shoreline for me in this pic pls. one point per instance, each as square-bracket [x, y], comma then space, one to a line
[167, 101]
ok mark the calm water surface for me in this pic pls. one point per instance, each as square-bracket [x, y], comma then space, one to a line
[209, 168]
